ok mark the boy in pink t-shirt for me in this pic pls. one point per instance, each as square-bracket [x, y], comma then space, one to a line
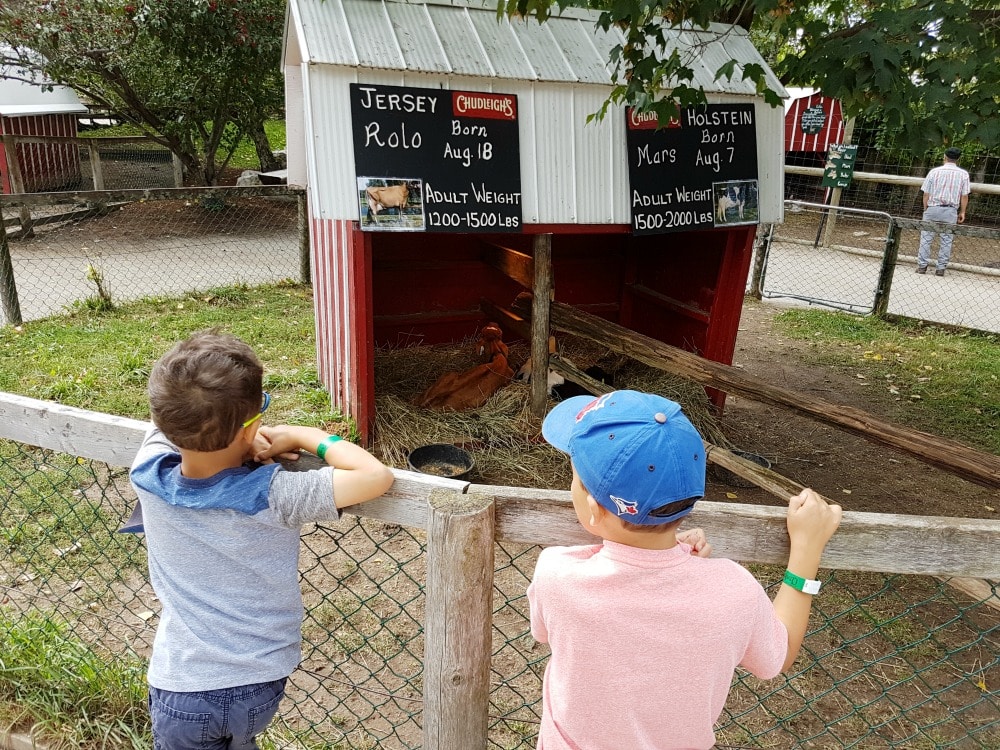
[645, 630]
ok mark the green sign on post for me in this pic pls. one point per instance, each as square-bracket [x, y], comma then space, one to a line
[839, 167]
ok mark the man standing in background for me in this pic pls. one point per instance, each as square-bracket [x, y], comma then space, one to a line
[946, 194]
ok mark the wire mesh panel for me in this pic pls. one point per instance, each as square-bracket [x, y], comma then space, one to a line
[900, 164]
[518, 661]
[47, 163]
[826, 257]
[968, 292]
[124, 166]
[359, 684]
[888, 176]
[864, 262]
[889, 661]
[121, 251]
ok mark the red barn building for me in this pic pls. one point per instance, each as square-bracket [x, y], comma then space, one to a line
[27, 109]
[536, 83]
[812, 123]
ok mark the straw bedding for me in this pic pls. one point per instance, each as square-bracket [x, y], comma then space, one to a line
[503, 437]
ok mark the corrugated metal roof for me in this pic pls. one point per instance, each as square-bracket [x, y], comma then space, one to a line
[465, 38]
[20, 98]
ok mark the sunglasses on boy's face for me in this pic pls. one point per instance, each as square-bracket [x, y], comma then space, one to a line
[263, 408]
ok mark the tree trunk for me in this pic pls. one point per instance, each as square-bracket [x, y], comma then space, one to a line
[268, 161]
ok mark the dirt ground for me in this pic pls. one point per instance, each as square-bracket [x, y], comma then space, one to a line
[851, 470]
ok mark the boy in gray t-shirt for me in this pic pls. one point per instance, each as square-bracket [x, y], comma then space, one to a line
[222, 535]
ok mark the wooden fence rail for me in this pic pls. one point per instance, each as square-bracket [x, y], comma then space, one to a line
[461, 518]
[950, 455]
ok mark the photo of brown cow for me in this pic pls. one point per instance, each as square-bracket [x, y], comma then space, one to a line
[390, 204]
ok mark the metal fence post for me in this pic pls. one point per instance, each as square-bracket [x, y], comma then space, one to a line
[8, 287]
[305, 270]
[880, 305]
[458, 620]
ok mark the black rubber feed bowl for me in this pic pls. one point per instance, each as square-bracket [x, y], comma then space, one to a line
[441, 460]
[735, 480]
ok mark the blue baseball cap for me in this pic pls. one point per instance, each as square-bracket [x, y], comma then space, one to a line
[634, 452]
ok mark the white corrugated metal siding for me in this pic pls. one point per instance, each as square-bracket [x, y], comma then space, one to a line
[571, 172]
[460, 39]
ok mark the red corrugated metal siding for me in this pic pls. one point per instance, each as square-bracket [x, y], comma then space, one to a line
[327, 239]
[831, 132]
[341, 268]
[4, 171]
[43, 166]
[402, 289]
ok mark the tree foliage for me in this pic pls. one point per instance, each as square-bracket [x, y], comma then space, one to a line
[195, 75]
[928, 67]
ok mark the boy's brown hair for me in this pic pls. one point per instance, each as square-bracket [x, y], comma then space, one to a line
[202, 390]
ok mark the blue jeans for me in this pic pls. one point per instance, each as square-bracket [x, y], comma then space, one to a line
[945, 215]
[218, 719]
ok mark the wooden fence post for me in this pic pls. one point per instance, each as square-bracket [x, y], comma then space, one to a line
[305, 271]
[8, 287]
[178, 170]
[458, 620]
[96, 169]
[542, 291]
[880, 305]
[17, 182]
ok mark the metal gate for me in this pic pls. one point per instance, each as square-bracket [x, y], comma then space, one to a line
[826, 255]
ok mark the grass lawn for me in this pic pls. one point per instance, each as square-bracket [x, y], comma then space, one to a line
[101, 360]
[934, 380]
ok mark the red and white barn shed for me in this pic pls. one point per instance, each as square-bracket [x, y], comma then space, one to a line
[30, 109]
[391, 288]
[812, 123]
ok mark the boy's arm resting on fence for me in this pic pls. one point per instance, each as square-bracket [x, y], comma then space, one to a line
[359, 476]
[811, 522]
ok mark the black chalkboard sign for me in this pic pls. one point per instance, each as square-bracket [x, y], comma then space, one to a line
[813, 119]
[698, 172]
[436, 160]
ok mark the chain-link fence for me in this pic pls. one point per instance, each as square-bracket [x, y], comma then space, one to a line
[864, 261]
[891, 661]
[37, 163]
[853, 248]
[889, 171]
[105, 247]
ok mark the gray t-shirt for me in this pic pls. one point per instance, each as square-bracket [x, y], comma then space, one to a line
[223, 560]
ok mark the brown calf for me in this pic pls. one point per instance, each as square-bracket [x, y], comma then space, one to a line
[469, 389]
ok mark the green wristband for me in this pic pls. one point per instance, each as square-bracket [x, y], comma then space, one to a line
[805, 585]
[321, 448]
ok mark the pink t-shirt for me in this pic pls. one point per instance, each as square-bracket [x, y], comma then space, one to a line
[644, 644]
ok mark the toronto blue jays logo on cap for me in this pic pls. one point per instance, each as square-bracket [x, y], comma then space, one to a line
[635, 445]
[625, 507]
[594, 405]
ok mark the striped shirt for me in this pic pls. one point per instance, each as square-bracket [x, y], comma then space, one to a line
[945, 185]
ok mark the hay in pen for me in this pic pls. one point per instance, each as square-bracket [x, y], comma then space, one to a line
[503, 437]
